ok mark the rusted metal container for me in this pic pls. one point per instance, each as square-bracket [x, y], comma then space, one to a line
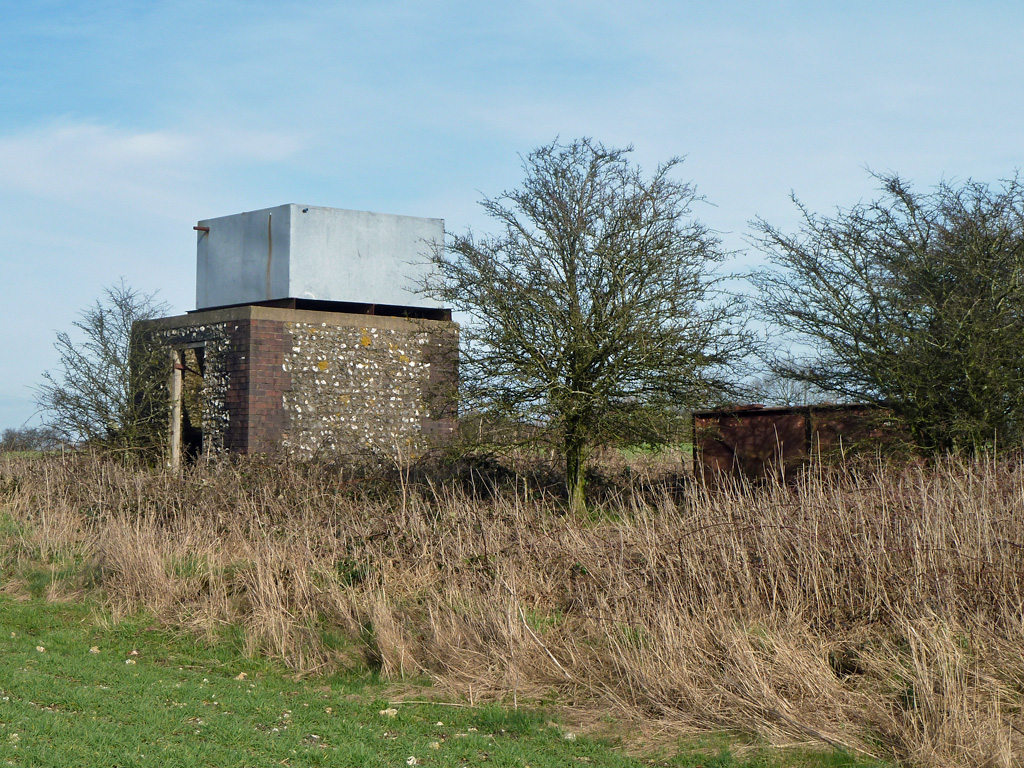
[754, 442]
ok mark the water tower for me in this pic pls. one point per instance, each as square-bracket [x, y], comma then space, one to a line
[310, 338]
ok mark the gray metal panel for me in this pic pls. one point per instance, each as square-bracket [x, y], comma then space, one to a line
[359, 256]
[244, 258]
[309, 252]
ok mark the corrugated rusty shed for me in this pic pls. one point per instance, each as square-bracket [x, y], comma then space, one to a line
[756, 442]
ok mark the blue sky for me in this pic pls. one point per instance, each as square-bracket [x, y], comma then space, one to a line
[122, 124]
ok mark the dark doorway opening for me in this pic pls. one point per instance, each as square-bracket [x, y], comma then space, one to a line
[187, 401]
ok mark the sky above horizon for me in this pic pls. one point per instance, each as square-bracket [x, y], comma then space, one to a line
[123, 124]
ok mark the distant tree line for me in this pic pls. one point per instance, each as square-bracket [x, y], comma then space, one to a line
[29, 439]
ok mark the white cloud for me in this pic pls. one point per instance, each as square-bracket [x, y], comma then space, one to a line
[87, 165]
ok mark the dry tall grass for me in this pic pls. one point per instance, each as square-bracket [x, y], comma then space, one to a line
[880, 610]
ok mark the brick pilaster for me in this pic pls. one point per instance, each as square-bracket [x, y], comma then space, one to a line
[267, 381]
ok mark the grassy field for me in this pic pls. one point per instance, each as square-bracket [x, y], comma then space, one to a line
[75, 691]
[878, 611]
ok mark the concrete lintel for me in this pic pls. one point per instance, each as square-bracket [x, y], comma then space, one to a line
[313, 317]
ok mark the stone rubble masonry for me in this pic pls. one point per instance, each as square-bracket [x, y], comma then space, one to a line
[310, 383]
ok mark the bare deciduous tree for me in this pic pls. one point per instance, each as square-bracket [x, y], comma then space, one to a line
[104, 389]
[914, 301]
[591, 312]
[779, 391]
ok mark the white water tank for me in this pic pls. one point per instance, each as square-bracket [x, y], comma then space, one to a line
[309, 252]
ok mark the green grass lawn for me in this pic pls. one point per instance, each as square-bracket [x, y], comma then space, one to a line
[78, 691]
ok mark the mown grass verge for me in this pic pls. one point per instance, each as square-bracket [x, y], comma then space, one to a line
[77, 690]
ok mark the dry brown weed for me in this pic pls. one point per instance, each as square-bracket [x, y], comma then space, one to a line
[881, 611]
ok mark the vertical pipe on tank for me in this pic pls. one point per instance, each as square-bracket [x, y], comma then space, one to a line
[270, 251]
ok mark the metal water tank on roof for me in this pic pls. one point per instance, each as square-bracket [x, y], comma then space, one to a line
[314, 253]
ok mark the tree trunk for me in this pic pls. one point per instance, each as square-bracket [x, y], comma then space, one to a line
[575, 476]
